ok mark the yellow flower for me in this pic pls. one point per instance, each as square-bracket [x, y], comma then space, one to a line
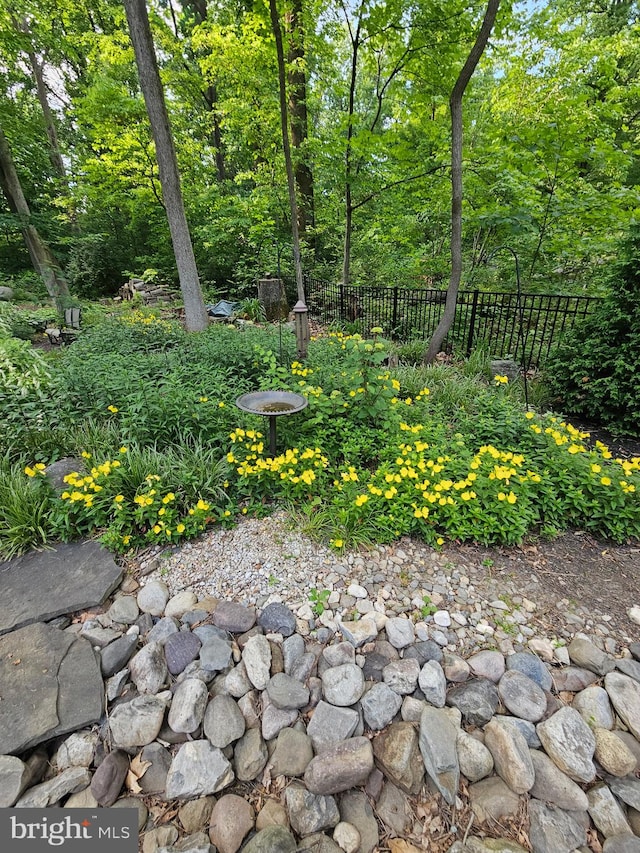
[500, 380]
[161, 511]
[29, 472]
[439, 541]
[156, 528]
[202, 505]
[124, 449]
[606, 481]
[203, 400]
[85, 455]
[112, 409]
[126, 539]
[180, 528]
[529, 416]
[168, 498]
[40, 466]
[361, 499]
[221, 405]
[226, 513]
[119, 498]
[337, 543]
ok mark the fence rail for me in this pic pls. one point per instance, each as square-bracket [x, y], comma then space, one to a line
[524, 328]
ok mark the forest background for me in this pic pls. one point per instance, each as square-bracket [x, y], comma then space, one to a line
[551, 155]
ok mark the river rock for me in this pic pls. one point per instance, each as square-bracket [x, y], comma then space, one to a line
[309, 812]
[522, 696]
[437, 741]
[594, 707]
[355, 809]
[223, 721]
[553, 786]
[138, 722]
[584, 653]
[433, 684]
[397, 753]
[553, 830]
[570, 743]
[613, 754]
[531, 666]
[234, 617]
[624, 693]
[188, 705]
[380, 705]
[606, 813]
[475, 760]
[157, 761]
[116, 655]
[287, 693]
[330, 724]
[149, 668]
[232, 818]
[153, 597]
[271, 839]
[292, 754]
[487, 664]
[250, 755]
[109, 778]
[400, 632]
[180, 649]
[478, 700]
[276, 618]
[341, 767]
[492, 800]
[256, 656]
[198, 769]
[510, 755]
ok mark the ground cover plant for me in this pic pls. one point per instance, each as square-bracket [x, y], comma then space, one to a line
[442, 453]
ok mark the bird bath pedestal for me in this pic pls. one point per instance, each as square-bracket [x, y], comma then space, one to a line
[271, 404]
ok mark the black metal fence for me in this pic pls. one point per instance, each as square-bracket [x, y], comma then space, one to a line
[524, 328]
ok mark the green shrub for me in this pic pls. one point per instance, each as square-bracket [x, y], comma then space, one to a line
[594, 372]
[440, 452]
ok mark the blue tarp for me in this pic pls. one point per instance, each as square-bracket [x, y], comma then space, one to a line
[222, 308]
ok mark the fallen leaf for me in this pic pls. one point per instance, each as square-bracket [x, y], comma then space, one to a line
[131, 783]
[139, 767]
[398, 845]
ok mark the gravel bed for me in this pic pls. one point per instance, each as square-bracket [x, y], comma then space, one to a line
[459, 604]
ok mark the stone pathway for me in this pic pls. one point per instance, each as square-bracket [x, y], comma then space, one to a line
[421, 709]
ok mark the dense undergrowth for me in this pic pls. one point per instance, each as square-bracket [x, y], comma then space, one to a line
[443, 453]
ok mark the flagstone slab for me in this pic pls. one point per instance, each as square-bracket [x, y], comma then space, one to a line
[41, 585]
[51, 685]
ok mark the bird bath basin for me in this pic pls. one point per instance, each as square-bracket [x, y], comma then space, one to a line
[271, 404]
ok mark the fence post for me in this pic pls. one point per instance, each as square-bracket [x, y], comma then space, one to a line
[472, 321]
[394, 315]
[342, 311]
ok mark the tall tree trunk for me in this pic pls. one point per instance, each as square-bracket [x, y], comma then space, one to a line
[286, 147]
[196, 318]
[348, 165]
[43, 261]
[299, 120]
[210, 97]
[455, 104]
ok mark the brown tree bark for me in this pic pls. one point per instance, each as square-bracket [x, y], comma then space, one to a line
[299, 120]
[41, 257]
[286, 147]
[196, 318]
[455, 105]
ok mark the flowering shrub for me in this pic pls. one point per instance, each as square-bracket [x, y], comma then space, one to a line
[101, 501]
[377, 454]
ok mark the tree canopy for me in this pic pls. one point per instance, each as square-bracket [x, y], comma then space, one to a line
[551, 160]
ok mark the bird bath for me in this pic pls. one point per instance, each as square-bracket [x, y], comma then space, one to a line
[272, 404]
